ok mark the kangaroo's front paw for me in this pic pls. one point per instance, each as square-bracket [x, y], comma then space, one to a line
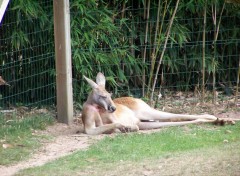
[118, 125]
[134, 128]
[121, 127]
[127, 129]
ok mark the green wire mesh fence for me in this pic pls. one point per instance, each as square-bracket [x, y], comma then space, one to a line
[27, 54]
[124, 40]
[198, 57]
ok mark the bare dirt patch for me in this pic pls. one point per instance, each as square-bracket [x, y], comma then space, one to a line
[66, 140]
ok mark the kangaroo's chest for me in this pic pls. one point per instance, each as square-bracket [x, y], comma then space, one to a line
[105, 116]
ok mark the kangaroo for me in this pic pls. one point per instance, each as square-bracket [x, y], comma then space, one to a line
[3, 82]
[101, 114]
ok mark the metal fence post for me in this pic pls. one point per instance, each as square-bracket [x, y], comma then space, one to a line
[63, 60]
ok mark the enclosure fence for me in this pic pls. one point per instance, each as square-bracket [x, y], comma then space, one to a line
[27, 54]
[124, 40]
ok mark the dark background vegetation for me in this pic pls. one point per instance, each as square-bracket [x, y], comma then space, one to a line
[123, 39]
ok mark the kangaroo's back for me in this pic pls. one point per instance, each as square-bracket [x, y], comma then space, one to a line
[134, 104]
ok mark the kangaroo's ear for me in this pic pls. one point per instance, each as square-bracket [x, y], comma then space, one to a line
[91, 82]
[101, 80]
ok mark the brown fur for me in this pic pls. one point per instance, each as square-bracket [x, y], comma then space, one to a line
[101, 114]
[126, 101]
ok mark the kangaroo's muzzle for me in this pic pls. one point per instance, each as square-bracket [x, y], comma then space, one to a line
[111, 108]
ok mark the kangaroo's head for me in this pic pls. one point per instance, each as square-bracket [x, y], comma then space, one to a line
[3, 82]
[99, 95]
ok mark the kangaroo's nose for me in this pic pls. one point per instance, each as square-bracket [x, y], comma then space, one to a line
[111, 108]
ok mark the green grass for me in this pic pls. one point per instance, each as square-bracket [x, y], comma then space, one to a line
[18, 134]
[134, 147]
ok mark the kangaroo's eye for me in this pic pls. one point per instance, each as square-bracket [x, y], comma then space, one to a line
[102, 96]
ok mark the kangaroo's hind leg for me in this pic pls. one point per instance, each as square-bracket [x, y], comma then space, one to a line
[155, 125]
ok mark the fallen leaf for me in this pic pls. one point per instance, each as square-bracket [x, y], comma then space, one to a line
[228, 131]
[2, 140]
[147, 172]
[5, 146]
[21, 145]
[91, 160]
[225, 141]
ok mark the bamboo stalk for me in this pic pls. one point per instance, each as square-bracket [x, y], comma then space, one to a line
[214, 54]
[160, 91]
[216, 31]
[220, 19]
[233, 1]
[238, 76]
[164, 49]
[123, 10]
[123, 38]
[203, 51]
[153, 61]
[153, 55]
[145, 51]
